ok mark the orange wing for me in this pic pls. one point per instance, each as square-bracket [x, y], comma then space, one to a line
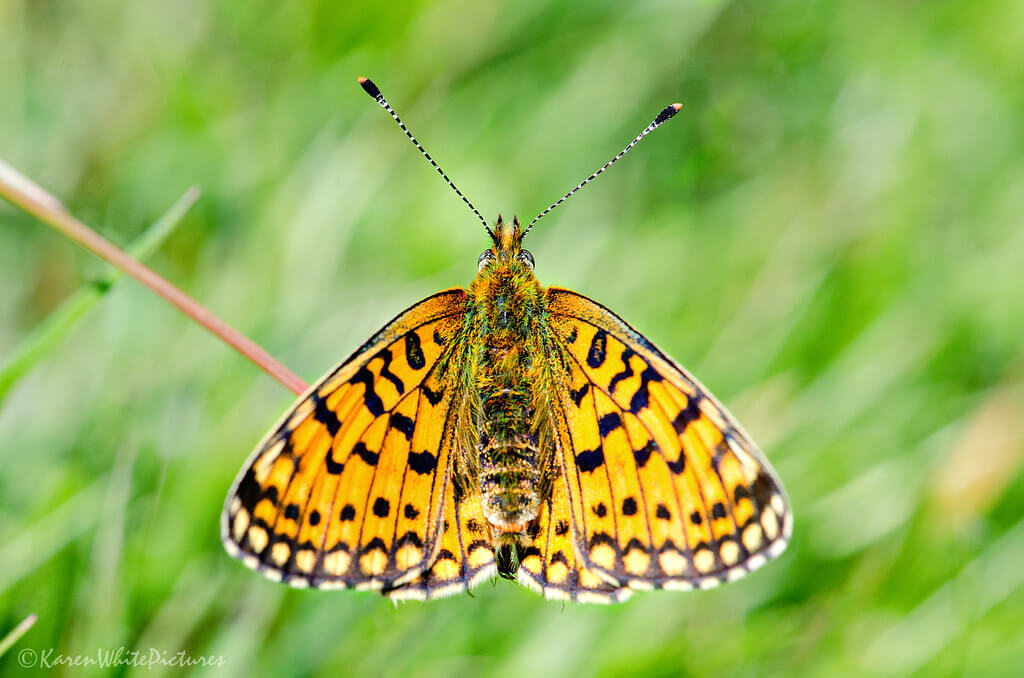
[661, 487]
[348, 488]
[553, 566]
[466, 556]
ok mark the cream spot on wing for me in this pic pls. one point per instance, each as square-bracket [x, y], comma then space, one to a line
[770, 524]
[408, 556]
[704, 560]
[261, 468]
[672, 563]
[258, 538]
[279, 553]
[603, 555]
[729, 552]
[240, 524]
[337, 563]
[373, 562]
[531, 564]
[480, 556]
[752, 537]
[557, 573]
[300, 414]
[445, 569]
[636, 562]
[305, 560]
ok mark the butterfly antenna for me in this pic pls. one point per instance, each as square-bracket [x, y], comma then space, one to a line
[374, 92]
[665, 114]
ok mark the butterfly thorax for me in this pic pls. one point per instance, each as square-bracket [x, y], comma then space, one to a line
[508, 305]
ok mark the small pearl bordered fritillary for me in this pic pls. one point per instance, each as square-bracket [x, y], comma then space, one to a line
[507, 429]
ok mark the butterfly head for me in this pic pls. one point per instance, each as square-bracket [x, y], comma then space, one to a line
[507, 252]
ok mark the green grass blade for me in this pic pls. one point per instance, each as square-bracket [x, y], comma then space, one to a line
[16, 633]
[52, 330]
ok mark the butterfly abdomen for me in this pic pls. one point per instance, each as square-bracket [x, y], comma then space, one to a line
[507, 446]
[508, 482]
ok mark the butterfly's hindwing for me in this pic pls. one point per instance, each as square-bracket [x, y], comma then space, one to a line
[667, 491]
[347, 489]
[465, 557]
[552, 566]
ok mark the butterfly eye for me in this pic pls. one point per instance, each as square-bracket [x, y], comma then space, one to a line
[485, 258]
[526, 258]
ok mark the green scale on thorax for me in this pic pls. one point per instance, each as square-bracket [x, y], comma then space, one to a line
[507, 317]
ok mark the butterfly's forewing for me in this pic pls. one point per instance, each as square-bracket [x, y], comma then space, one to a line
[665, 490]
[347, 490]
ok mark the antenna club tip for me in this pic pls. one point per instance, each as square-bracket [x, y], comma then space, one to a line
[368, 86]
[667, 113]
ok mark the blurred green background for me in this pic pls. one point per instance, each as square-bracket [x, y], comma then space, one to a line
[829, 236]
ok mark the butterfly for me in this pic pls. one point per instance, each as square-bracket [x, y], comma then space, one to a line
[507, 429]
